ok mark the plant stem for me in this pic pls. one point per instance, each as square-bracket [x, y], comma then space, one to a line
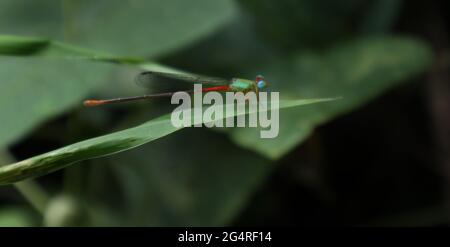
[29, 189]
[34, 193]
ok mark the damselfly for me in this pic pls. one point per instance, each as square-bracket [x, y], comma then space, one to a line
[217, 85]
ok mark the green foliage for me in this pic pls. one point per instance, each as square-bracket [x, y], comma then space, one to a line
[34, 89]
[71, 49]
[144, 28]
[15, 217]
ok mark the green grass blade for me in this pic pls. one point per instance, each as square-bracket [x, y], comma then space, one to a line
[102, 146]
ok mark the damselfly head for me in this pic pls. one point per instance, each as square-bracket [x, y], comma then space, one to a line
[261, 83]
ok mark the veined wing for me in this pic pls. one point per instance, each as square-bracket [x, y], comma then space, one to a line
[146, 77]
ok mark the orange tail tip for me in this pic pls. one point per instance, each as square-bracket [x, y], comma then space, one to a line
[93, 102]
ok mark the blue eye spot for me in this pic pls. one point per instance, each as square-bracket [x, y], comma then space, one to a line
[261, 84]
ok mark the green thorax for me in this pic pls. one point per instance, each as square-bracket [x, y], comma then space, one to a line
[241, 85]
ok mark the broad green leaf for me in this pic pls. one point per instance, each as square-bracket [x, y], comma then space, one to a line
[137, 27]
[358, 71]
[104, 145]
[34, 89]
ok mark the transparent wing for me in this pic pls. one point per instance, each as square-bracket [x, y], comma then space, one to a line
[146, 77]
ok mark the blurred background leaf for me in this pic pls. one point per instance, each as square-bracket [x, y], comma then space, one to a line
[135, 27]
[358, 71]
[15, 217]
[34, 89]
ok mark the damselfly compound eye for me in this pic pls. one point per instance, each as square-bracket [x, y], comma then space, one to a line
[261, 84]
